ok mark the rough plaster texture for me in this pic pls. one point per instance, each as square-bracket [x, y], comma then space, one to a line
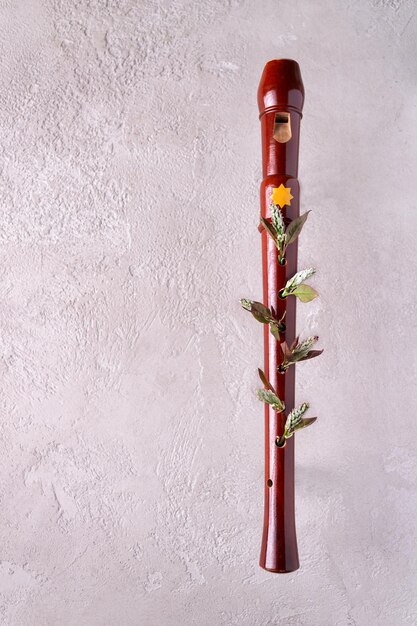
[131, 440]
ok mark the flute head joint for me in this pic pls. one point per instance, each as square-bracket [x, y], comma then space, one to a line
[281, 88]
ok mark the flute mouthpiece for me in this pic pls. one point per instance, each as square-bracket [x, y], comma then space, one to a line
[281, 87]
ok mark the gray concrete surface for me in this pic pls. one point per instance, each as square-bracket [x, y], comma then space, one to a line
[131, 439]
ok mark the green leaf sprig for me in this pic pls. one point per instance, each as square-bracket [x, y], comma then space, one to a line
[283, 235]
[295, 421]
[298, 351]
[295, 286]
[266, 316]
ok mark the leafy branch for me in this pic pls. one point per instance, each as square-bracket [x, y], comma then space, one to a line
[283, 235]
[297, 352]
[295, 286]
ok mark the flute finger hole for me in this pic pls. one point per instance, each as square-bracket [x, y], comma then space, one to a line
[269, 482]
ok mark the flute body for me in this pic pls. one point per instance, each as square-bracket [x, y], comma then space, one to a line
[280, 100]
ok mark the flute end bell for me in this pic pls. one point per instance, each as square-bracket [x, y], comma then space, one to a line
[279, 561]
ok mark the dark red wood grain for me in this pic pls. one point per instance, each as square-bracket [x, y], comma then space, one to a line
[281, 89]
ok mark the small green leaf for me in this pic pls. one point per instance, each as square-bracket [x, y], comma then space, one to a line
[297, 280]
[259, 318]
[305, 345]
[259, 311]
[305, 293]
[302, 351]
[294, 228]
[294, 418]
[269, 397]
[274, 328]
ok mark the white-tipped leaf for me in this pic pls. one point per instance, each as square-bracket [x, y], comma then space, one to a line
[300, 350]
[298, 278]
[295, 418]
[306, 421]
[278, 222]
[269, 397]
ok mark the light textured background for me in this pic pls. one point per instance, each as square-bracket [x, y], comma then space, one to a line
[131, 444]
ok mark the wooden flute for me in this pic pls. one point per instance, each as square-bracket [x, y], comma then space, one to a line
[280, 100]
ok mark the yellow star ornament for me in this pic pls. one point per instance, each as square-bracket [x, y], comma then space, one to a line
[281, 196]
